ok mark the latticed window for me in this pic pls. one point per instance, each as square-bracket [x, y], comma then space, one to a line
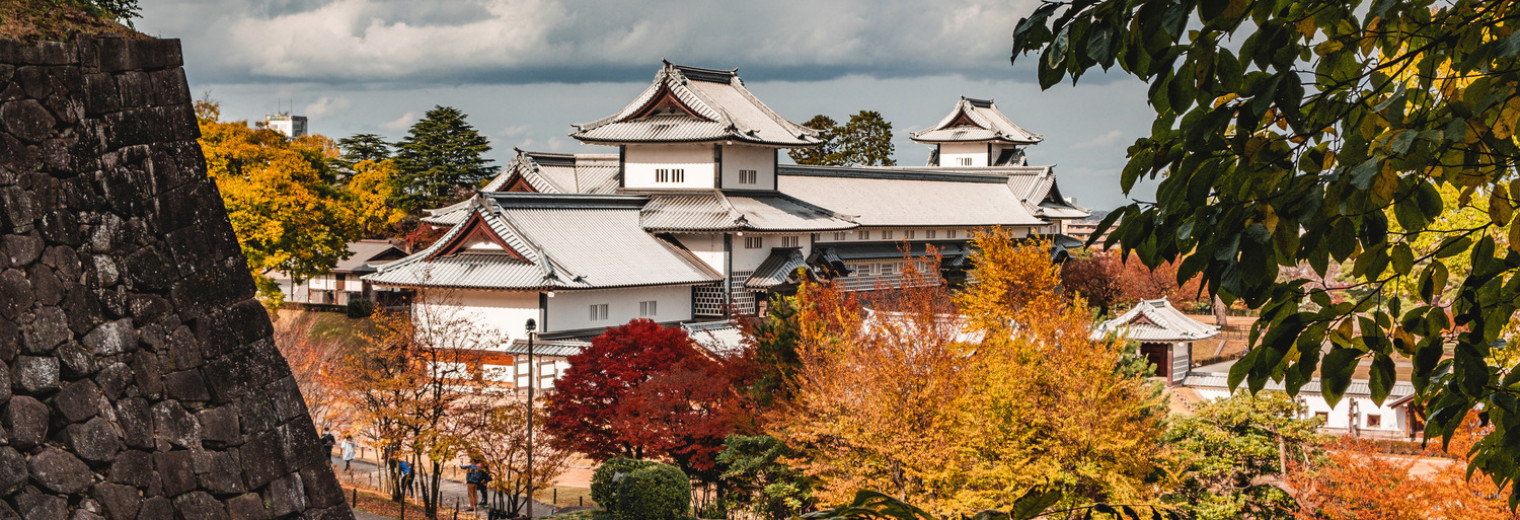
[748, 176]
[671, 175]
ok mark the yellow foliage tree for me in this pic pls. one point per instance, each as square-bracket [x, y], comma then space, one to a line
[961, 402]
[373, 191]
[280, 196]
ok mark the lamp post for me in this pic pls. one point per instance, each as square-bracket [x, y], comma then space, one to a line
[530, 326]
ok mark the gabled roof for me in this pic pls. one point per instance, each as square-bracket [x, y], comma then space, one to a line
[908, 198]
[1156, 320]
[976, 121]
[541, 173]
[721, 338]
[365, 254]
[707, 211]
[778, 268]
[561, 242]
[690, 104]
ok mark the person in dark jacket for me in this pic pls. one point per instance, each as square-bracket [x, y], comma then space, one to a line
[476, 476]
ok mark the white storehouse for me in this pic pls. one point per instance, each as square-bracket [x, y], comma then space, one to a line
[695, 218]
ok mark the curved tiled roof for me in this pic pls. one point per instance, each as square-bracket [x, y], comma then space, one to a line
[706, 211]
[566, 242]
[714, 106]
[1156, 320]
[976, 121]
[900, 197]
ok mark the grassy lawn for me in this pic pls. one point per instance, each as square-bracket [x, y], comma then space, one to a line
[568, 496]
[584, 514]
[382, 505]
[337, 326]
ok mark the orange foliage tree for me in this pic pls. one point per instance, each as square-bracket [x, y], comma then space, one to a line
[960, 401]
[1356, 482]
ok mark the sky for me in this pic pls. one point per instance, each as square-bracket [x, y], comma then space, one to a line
[525, 70]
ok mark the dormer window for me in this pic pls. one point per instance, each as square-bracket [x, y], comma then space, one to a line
[670, 175]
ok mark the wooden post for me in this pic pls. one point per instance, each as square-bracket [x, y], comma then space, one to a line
[356, 497]
[456, 508]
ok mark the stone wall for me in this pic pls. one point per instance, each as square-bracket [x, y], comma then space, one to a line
[138, 380]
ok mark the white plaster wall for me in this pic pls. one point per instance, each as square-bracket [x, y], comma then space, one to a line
[499, 312]
[950, 154]
[708, 249]
[762, 160]
[920, 234]
[749, 259]
[640, 162]
[1338, 417]
[570, 310]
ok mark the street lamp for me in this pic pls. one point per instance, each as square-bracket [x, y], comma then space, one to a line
[530, 326]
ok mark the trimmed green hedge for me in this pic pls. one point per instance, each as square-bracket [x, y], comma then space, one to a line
[631, 489]
[604, 481]
[360, 307]
[656, 492]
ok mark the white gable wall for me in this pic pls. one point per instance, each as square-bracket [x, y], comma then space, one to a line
[761, 160]
[707, 248]
[490, 312]
[640, 163]
[951, 154]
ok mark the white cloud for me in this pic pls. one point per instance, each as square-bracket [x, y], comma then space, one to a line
[401, 123]
[327, 106]
[512, 132]
[526, 41]
[1108, 139]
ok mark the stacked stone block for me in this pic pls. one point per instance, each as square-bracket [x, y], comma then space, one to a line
[138, 378]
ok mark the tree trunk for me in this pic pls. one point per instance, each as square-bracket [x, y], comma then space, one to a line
[1221, 313]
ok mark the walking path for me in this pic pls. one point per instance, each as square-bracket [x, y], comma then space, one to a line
[365, 473]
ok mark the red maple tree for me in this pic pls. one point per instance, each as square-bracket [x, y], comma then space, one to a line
[642, 390]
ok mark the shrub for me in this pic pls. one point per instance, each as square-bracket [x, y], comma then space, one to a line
[604, 481]
[654, 492]
[360, 307]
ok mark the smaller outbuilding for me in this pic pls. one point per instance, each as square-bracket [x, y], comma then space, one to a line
[1165, 334]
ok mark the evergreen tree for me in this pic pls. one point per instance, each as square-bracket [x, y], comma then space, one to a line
[823, 154]
[364, 147]
[440, 157]
[866, 140]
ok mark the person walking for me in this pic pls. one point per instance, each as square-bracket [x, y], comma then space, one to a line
[406, 477]
[348, 452]
[474, 482]
[328, 442]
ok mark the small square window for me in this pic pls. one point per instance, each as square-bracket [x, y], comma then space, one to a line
[748, 176]
[863, 235]
[599, 312]
[931, 233]
[790, 241]
[754, 242]
[863, 269]
[910, 234]
[841, 235]
[648, 309]
[887, 234]
[965, 161]
[950, 233]
[1374, 421]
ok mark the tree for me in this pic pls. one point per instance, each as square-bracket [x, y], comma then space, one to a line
[314, 362]
[364, 147]
[823, 154]
[500, 439]
[771, 344]
[1296, 146]
[952, 400]
[279, 194]
[372, 188]
[758, 477]
[410, 380]
[1355, 481]
[641, 390]
[1093, 275]
[1235, 452]
[866, 140]
[442, 159]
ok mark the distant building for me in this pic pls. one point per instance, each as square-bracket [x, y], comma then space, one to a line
[695, 220]
[1165, 334]
[344, 282]
[291, 126]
